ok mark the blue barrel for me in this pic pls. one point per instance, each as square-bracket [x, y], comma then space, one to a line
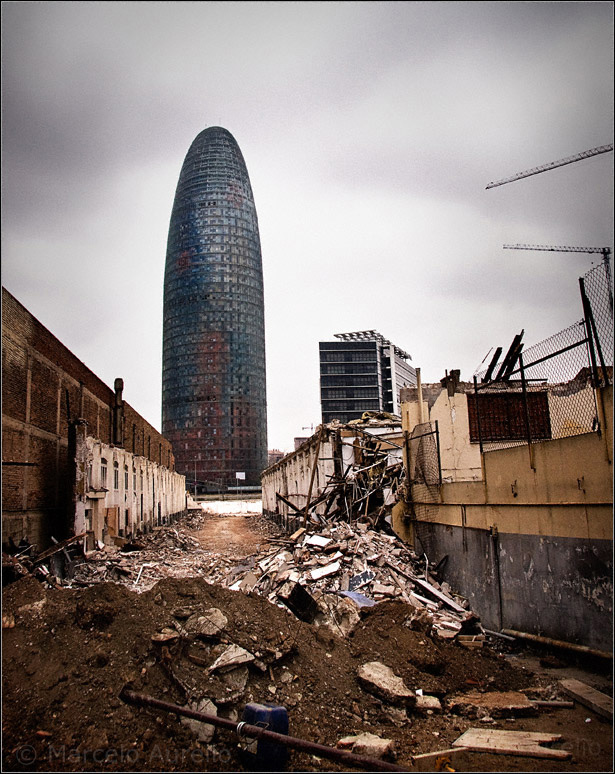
[263, 754]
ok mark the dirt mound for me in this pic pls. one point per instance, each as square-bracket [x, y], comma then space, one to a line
[71, 652]
[386, 634]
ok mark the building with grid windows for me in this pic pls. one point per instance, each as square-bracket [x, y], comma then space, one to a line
[359, 372]
[213, 370]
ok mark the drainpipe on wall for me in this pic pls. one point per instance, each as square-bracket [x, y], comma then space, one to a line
[495, 547]
[118, 413]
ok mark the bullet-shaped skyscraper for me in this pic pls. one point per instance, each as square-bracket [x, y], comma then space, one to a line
[213, 365]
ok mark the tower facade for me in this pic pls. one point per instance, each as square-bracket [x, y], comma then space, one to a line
[362, 371]
[213, 364]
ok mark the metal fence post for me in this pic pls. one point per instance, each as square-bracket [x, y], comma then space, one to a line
[526, 409]
[589, 333]
[480, 435]
[439, 459]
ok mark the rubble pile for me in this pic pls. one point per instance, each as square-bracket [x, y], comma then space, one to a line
[69, 653]
[323, 577]
[169, 552]
[364, 489]
[330, 575]
[347, 620]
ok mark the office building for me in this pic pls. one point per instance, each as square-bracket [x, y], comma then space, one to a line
[213, 372]
[362, 371]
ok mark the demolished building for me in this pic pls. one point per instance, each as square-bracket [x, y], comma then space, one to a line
[76, 457]
[341, 472]
[509, 492]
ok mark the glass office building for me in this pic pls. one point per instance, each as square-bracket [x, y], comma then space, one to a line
[213, 370]
[362, 371]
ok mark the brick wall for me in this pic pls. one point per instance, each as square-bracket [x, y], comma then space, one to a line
[44, 386]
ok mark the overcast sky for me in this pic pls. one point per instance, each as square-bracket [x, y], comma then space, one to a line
[370, 131]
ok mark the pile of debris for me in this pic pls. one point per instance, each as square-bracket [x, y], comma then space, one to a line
[361, 475]
[56, 566]
[329, 576]
[325, 577]
[171, 551]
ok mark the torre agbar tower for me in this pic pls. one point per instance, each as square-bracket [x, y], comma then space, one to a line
[213, 365]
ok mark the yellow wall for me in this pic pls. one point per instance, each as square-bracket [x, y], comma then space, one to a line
[560, 487]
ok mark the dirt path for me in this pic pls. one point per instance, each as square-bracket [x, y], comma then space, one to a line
[236, 535]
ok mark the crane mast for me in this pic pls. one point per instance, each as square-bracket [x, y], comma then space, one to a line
[553, 164]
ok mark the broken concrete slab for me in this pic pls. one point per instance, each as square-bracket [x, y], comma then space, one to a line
[207, 625]
[233, 656]
[339, 613]
[380, 680]
[368, 744]
[234, 681]
[203, 731]
[321, 572]
[165, 636]
[317, 540]
[426, 703]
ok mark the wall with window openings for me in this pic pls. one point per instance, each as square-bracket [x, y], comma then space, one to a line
[125, 494]
[46, 390]
[358, 376]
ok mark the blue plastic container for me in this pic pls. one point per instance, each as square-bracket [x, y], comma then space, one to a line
[263, 754]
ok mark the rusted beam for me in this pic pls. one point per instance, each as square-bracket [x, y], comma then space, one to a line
[58, 547]
[246, 729]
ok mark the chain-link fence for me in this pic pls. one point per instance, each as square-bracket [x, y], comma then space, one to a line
[597, 286]
[549, 390]
[424, 470]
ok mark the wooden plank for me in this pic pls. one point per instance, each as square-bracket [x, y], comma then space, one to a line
[58, 547]
[288, 502]
[590, 697]
[439, 595]
[525, 743]
[296, 535]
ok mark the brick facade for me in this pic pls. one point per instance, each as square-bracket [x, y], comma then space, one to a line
[45, 388]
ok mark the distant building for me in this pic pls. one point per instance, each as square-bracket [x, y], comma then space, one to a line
[275, 455]
[359, 372]
[213, 367]
[300, 440]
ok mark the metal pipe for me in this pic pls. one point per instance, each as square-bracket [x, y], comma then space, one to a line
[558, 643]
[419, 395]
[526, 411]
[246, 729]
[439, 457]
[480, 435]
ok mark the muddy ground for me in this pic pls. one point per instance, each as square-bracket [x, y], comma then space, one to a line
[71, 651]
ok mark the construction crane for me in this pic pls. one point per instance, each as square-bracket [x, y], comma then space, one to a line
[605, 251]
[553, 164]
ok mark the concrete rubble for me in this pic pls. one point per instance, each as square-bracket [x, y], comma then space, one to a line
[324, 576]
[380, 680]
[348, 592]
[368, 744]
